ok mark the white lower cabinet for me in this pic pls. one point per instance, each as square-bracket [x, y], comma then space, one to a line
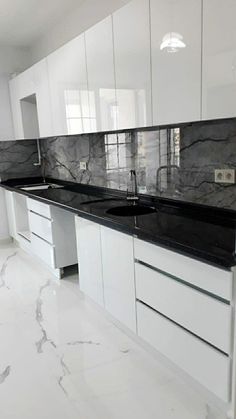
[43, 250]
[106, 269]
[184, 310]
[11, 213]
[180, 306]
[90, 259]
[212, 319]
[118, 276]
[53, 236]
[44, 230]
[204, 363]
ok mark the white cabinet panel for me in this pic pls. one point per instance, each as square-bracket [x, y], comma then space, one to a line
[90, 259]
[41, 226]
[132, 64]
[54, 226]
[219, 59]
[69, 88]
[176, 76]
[11, 213]
[6, 120]
[202, 275]
[101, 75]
[118, 276]
[39, 208]
[211, 320]
[207, 365]
[43, 250]
[30, 101]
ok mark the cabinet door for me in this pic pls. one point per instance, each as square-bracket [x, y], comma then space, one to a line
[11, 215]
[132, 64]
[31, 102]
[101, 75]
[4, 226]
[176, 72]
[6, 120]
[118, 276]
[89, 259]
[69, 88]
[219, 59]
[15, 107]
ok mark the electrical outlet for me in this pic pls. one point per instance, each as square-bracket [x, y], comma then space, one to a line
[225, 176]
[229, 175]
[83, 165]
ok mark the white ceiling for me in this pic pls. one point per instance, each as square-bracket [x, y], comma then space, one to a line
[24, 21]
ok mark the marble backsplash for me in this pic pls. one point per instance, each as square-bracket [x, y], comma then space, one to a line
[17, 159]
[173, 162]
[176, 162]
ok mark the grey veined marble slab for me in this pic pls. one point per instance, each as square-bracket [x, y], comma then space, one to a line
[17, 159]
[171, 162]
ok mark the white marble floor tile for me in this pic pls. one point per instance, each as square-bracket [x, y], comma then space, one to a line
[61, 358]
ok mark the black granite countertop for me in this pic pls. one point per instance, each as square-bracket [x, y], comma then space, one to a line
[201, 232]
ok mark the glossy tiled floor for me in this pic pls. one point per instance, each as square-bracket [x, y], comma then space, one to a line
[61, 358]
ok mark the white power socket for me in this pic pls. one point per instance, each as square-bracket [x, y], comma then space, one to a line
[83, 165]
[225, 176]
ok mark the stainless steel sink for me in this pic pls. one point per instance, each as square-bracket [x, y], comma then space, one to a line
[131, 210]
[39, 186]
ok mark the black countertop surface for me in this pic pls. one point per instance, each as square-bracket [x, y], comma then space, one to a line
[201, 232]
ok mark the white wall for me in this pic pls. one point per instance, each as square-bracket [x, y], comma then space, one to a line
[76, 22]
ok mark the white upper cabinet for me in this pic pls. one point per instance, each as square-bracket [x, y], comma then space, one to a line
[69, 88]
[101, 76]
[219, 59]
[132, 64]
[176, 60]
[6, 120]
[30, 102]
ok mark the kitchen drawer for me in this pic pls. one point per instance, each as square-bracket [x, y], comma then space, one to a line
[39, 208]
[205, 364]
[41, 226]
[203, 315]
[43, 250]
[214, 280]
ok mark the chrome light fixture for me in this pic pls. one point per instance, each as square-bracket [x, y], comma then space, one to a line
[172, 42]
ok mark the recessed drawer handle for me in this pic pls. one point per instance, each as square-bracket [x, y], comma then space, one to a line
[41, 238]
[40, 215]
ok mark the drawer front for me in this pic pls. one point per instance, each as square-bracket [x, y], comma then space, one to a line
[41, 226]
[214, 280]
[203, 315]
[43, 250]
[39, 207]
[205, 364]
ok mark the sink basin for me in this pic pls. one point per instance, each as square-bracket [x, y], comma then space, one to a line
[130, 210]
[39, 186]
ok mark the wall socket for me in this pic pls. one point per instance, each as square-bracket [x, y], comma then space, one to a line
[225, 176]
[83, 165]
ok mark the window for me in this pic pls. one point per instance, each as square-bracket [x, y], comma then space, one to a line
[80, 111]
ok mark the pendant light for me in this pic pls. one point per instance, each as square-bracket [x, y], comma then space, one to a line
[172, 42]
